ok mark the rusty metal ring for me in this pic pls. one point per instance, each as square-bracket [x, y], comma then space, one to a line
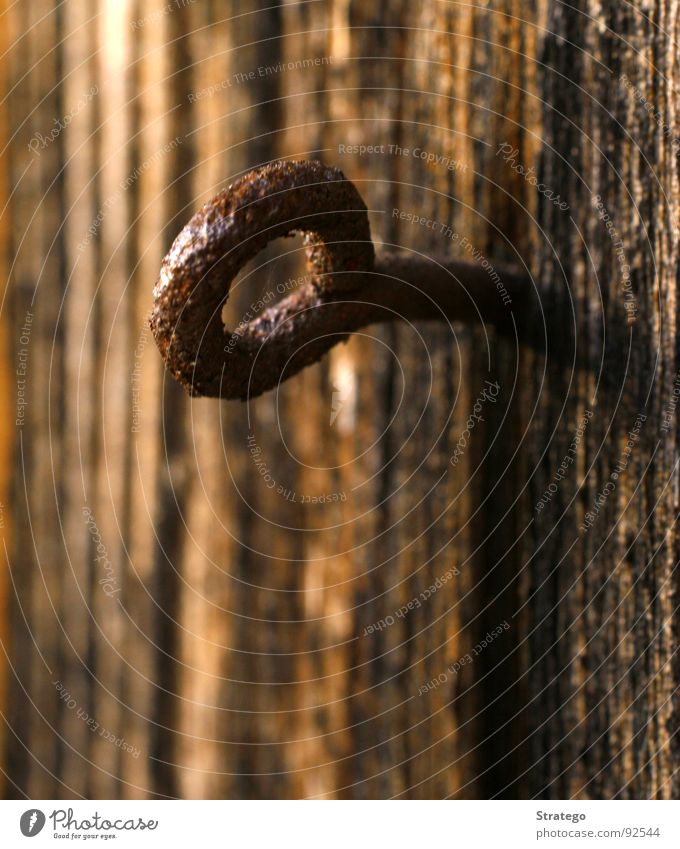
[349, 287]
[277, 200]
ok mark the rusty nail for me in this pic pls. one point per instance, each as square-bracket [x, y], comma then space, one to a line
[348, 288]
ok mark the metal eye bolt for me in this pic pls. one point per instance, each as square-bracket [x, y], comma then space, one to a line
[348, 288]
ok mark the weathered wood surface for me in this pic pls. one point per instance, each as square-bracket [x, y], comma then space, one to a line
[225, 630]
[603, 599]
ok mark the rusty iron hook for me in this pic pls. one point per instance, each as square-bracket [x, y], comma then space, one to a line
[349, 287]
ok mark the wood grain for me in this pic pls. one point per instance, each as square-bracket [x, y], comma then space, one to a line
[234, 648]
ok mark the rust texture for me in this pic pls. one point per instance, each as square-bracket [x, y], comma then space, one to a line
[348, 288]
[270, 202]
